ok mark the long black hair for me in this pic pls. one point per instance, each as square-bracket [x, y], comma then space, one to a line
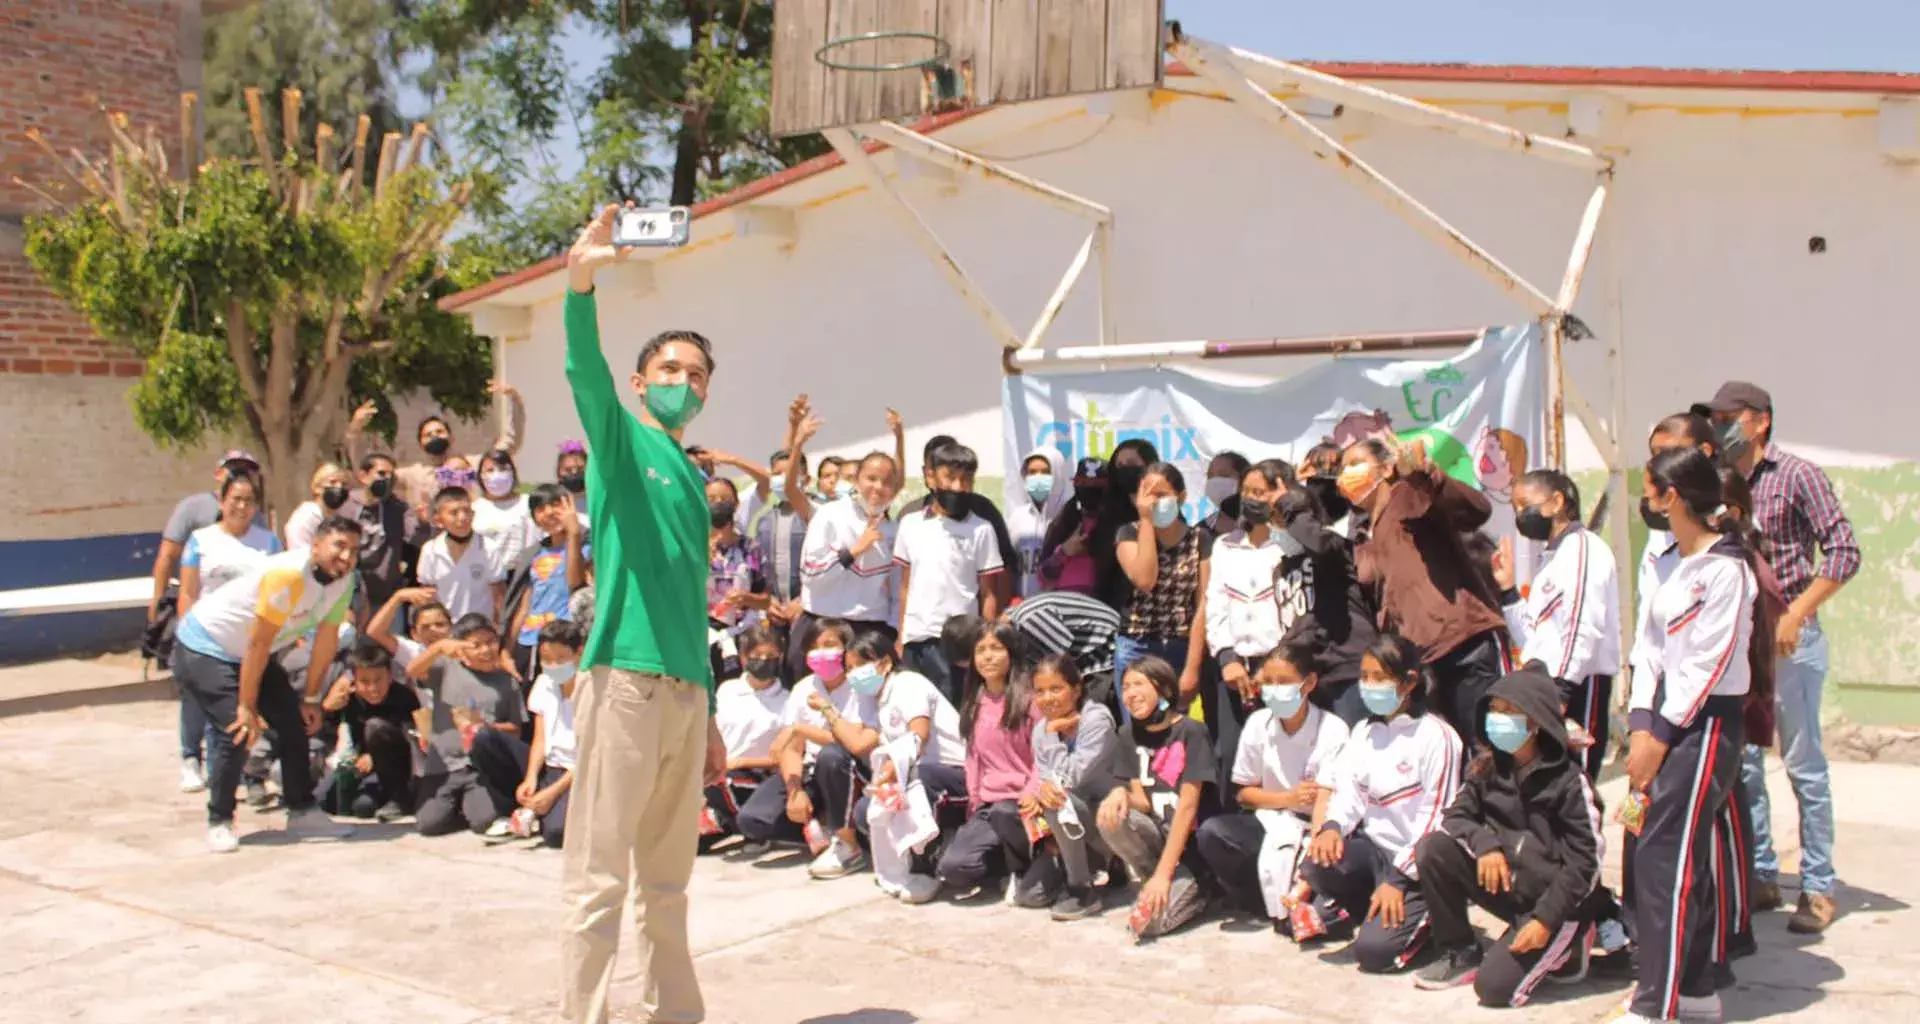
[1736, 494]
[1019, 693]
[1697, 430]
[1401, 658]
[1690, 474]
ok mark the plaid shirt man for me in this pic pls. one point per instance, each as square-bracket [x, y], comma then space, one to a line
[1796, 510]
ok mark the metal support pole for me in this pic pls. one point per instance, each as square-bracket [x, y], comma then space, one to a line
[1148, 354]
[1103, 252]
[860, 163]
[1412, 111]
[1556, 335]
[1060, 292]
[1254, 99]
[940, 154]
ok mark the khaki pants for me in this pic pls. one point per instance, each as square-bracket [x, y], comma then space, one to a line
[633, 828]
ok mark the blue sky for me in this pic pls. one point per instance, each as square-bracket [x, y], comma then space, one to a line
[1854, 35]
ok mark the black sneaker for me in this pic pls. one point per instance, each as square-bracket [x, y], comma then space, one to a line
[1451, 969]
[1040, 886]
[1575, 969]
[1075, 905]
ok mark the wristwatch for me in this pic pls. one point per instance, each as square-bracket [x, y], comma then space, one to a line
[315, 699]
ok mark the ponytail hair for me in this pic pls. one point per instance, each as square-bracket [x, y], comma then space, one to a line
[1768, 603]
[1402, 658]
[1690, 474]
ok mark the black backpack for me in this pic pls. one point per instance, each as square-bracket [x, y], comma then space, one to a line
[156, 645]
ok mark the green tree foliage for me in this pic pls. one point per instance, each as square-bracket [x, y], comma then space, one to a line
[266, 294]
[678, 110]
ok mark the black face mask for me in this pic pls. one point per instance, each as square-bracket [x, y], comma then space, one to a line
[1533, 524]
[1327, 490]
[763, 668]
[459, 538]
[437, 445]
[1255, 513]
[1654, 520]
[1089, 498]
[1126, 480]
[952, 504]
[322, 576]
[721, 512]
[380, 487]
[333, 497]
[575, 483]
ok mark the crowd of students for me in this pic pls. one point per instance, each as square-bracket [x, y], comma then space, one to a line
[1325, 705]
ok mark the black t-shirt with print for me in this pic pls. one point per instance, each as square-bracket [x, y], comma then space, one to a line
[396, 710]
[1165, 759]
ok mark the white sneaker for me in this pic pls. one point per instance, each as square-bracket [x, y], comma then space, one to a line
[220, 839]
[1611, 936]
[920, 889]
[191, 781]
[500, 831]
[312, 823]
[840, 860]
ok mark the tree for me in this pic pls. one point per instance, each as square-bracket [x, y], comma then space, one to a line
[265, 294]
[684, 84]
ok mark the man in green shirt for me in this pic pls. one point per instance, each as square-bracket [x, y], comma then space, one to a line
[646, 741]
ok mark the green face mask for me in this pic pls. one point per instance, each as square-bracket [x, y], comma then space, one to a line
[674, 405]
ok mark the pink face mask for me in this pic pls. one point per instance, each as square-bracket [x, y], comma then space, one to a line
[827, 664]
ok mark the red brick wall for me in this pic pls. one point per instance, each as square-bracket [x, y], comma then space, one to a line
[61, 61]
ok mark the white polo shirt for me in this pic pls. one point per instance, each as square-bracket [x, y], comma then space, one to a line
[556, 721]
[1272, 760]
[463, 585]
[910, 695]
[844, 701]
[945, 559]
[833, 586]
[748, 719]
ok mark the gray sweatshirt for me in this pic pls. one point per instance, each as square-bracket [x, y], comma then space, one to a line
[1068, 761]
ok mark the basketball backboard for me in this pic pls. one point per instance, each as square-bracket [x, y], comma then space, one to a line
[849, 62]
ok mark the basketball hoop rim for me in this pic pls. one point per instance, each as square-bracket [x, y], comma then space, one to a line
[941, 50]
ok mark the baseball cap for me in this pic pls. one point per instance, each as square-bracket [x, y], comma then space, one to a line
[1734, 396]
[1090, 469]
[239, 455]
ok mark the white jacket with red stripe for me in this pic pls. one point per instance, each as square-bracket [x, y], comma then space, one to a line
[1694, 641]
[1394, 780]
[1570, 620]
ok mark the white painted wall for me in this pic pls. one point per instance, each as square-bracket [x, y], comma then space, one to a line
[1227, 230]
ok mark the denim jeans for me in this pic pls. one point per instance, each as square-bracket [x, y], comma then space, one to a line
[193, 729]
[1798, 682]
[1129, 649]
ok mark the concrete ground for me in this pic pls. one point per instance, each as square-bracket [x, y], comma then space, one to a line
[111, 911]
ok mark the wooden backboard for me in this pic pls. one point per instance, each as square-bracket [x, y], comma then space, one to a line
[1006, 51]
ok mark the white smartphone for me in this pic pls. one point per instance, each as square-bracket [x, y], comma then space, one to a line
[654, 225]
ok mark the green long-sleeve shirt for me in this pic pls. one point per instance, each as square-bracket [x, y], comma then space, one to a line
[649, 513]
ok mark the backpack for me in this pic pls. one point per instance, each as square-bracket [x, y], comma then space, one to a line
[156, 644]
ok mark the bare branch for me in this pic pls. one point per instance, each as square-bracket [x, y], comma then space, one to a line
[290, 119]
[283, 353]
[360, 131]
[414, 147]
[189, 159]
[240, 344]
[389, 152]
[258, 122]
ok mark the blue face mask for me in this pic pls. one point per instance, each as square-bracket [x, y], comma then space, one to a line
[1039, 488]
[865, 680]
[562, 673]
[1381, 699]
[1507, 732]
[843, 489]
[1282, 700]
[1165, 511]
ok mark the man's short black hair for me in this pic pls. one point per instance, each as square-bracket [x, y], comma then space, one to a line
[447, 494]
[933, 444]
[544, 495]
[337, 524]
[954, 456]
[417, 431]
[830, 460]
[1555, 482]
[665, 338]
[372, 459]
[783, 453]
[566, 634]
[474, 623]
[367, 654]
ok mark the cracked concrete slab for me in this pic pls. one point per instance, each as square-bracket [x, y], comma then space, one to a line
[110, 912]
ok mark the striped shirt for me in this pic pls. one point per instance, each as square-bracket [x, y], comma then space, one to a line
[1796, 510]
[1070, 623]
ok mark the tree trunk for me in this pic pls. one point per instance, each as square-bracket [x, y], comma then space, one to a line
[286, 479]
[687, 155]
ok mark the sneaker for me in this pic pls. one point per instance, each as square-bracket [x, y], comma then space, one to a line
[919, 889]
[1611, 936]
[1700, 1009]
[191, 779]
[500, 830]
[1075, 906]
[1575, 969]
[1766, 896]
[1453, 968]
[1815, 913]
[220, 839]
[389, 812]
[257, 796]
[312, 823]
[840, 860]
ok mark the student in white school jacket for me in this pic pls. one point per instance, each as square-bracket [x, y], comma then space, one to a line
[1569, 622]
[1688, 691]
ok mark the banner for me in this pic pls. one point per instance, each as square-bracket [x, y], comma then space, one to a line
[1480, 414]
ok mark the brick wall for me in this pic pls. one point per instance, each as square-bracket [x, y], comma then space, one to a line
[61, 61]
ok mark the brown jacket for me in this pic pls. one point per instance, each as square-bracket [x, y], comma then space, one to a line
[1426, 585]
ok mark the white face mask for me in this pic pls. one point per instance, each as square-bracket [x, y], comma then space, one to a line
[1220, 488]
[498, 482]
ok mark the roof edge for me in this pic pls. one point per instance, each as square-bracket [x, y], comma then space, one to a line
[1887, 82]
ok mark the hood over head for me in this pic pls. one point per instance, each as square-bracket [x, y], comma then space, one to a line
[1536, 694]
[1016, 482]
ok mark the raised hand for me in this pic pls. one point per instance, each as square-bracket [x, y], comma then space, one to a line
[593, 249]
[363, 415]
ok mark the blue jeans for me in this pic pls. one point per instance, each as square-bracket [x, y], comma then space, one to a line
[193, 729]
[1798, 681]
[1129, 649]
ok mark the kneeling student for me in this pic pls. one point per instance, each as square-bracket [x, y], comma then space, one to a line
[1073, 741]
[375, 776]
[1287, 749]
[1521, 839]
[995, 842]
[550, 757]
[748, 711]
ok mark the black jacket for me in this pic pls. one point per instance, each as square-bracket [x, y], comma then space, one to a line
[1321, 578]
[1543, 816]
